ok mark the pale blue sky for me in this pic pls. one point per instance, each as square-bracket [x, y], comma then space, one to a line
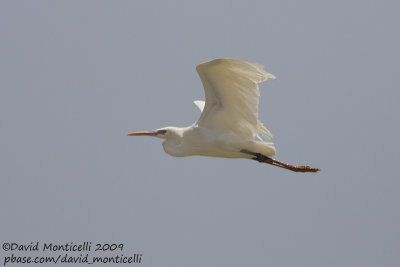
[76, 76]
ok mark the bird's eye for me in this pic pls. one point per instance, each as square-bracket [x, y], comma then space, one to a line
[161, 131]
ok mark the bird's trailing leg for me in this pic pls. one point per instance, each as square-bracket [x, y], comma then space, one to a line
[264, 159]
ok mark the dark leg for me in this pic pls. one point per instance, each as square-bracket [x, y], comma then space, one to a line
[264, 159]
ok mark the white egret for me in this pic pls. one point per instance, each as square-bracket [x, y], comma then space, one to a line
[229, 123]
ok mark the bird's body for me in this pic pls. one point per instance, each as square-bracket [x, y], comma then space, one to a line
[198, 141]
[228, 125]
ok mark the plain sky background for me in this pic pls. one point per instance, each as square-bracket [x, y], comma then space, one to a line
[76, 76]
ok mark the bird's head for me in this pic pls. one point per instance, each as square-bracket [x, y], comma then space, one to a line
[165, 133]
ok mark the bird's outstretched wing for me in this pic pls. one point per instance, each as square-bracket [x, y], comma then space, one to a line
[231, 91]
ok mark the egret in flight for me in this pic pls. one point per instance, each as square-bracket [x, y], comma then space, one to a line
[228, 126]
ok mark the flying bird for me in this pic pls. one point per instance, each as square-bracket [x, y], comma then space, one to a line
[228, 126]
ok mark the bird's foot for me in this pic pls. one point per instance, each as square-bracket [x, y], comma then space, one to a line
[264, 159]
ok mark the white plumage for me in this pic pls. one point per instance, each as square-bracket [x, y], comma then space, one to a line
[229, 123]
[231, 90]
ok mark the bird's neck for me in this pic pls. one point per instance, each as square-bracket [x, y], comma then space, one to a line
[174, 143]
